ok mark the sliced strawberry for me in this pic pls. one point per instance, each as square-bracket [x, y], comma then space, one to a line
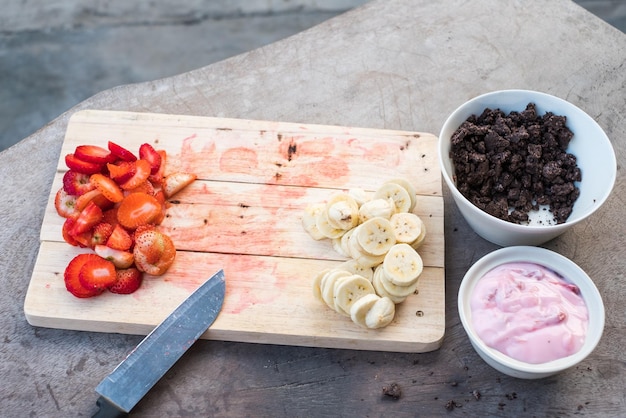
[101, 233]
[157, 177]
[97, 274]
[64, 203]
[128, 280]
[145, 187]
[78, 165]
[72, 276]
[94, 154]
[120, 258]
[175, 182]
[120, 239]
[76, 183]
[138, 209]
[142, 172]
[148, 153]
[122, 171]
[94, 196]
[160, 197]
[141, 229]
[109, 188]
[66, 231]
[154, 252]
[87, 219]
[121, 152]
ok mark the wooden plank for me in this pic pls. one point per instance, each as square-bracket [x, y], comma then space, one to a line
[244, 215]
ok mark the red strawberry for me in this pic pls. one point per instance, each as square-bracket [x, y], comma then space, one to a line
[66, 231]
[76, 183]
[142, 172]
[94, 154]
[128, 280]
[122, 171]
[87, 219]
[101, 233]
[109, 189]
[157, 177]
[97, 274]
[121, 259]
[175, 182]
[148, 153]
[64, 203]
[110, 216]
[121, 152]
[85, 167]
[72, 276]
[94, 196]
[120, 239]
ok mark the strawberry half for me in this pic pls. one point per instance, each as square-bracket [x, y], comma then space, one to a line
[120, 239]
[148, 153]
[142, 172]
[87, 219]
[94, 154]
[97, 274]
[121, 152]
[64, 203]
[76, 183]
[128, 280]
[71, 277]
[175, 182]
[81, 166]
[157, 177]
[109, 188]
[122, 171]
[121, 259]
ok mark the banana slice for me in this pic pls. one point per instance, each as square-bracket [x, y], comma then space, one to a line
[325, 228]
[399, 194]
[343, 243]
[395, 290]
[380, 314]
[418, 242]
[361, 256]
[377, 282]
[359, 195]
[375, 236]
[355, 268]
[403, 265]
[409, 188]
[375, 208]
[309, 220]
[349, 290]
[327, 285]
[407, 227]
[342, 211]
[317, 283]
[338, 247]
[361, 307]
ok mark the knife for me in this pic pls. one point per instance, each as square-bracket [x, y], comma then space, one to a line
[121, 390]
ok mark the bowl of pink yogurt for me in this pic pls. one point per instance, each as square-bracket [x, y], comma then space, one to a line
[530, 312]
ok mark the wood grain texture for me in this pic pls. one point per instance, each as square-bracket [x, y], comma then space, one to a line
[243, 214]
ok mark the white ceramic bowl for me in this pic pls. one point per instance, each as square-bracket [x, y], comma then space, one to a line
[560, 265]
[590, 145]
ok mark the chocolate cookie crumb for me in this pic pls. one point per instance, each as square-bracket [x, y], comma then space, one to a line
[476, 394]
[510, 164]
[451, 404]
[393, 391]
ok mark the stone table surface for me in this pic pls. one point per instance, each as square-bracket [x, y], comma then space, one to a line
[395, 64]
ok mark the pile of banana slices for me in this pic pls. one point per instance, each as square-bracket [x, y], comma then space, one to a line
[380, 236]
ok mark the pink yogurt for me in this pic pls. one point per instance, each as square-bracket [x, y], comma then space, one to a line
[529, 313]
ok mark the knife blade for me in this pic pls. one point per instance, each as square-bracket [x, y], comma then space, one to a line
[124, 387]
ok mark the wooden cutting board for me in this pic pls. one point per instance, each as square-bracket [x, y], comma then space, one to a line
[243, 214]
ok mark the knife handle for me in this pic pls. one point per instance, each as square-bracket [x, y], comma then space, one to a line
[108, 410]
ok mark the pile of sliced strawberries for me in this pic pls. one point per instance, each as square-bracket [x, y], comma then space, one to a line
[112, 202]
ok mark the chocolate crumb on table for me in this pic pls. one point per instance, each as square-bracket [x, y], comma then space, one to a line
[509, 165]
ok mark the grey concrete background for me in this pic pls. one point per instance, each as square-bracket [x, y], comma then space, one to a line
[55, 54]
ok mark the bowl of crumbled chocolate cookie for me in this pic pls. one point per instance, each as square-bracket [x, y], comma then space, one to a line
[523, 166]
